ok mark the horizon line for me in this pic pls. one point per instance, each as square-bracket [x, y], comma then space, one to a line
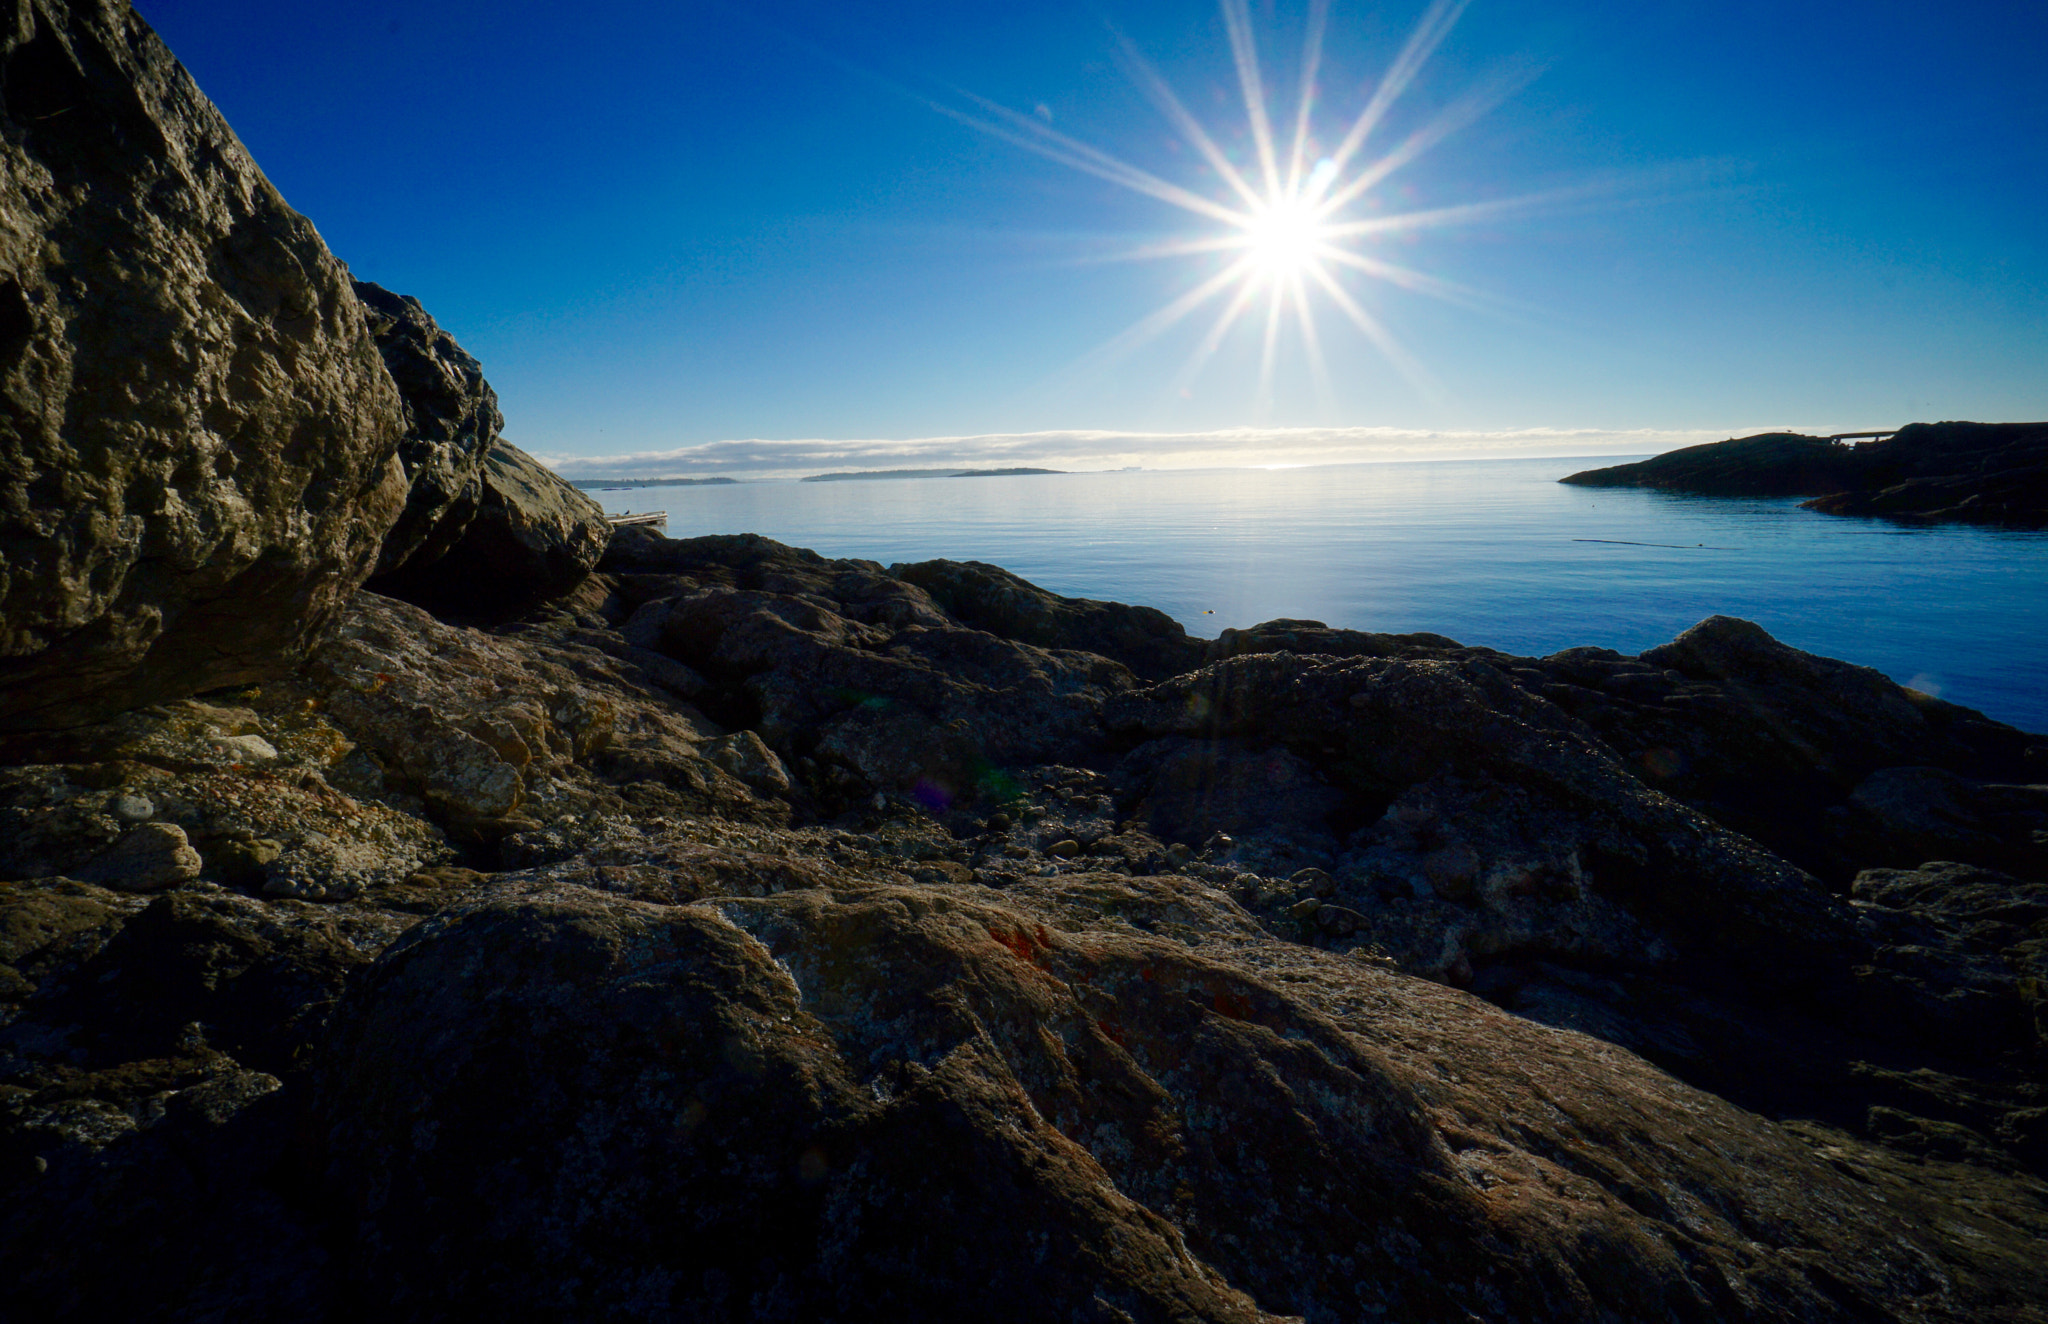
[1083, 449]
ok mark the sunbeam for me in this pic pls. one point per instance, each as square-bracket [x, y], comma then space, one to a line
[1284, 215]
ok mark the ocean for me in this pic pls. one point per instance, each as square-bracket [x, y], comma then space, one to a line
[1492, 552]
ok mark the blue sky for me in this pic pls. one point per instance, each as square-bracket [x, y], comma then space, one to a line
[754, 230]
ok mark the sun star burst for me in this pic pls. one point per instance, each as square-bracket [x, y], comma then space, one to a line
[1289, 216]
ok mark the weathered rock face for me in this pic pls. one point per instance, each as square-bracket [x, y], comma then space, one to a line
[451, 422]
[854, 672]
[196, 435]
[985, 597]
[144, 1046]
[1973, 473]
[1763, 738]
[1963, 956]
[518, 536]
[398, 746]
[1586, 835]
[1189, 790]
[904, 1103]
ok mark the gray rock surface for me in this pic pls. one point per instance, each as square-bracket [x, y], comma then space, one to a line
[858, 1101]
[986, 597]
[197, 438]
[519, 536]
[856, 674]
[451, 422]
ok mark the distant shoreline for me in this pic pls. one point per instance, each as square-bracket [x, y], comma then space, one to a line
[623, 484]
[863, 475]
[850, 476]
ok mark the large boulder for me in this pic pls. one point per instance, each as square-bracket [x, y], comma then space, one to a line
[197, 438]
[519, 536]
[451, 421]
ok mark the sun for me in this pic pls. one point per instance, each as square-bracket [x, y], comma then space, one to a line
[1288, 223]
[1284, 238]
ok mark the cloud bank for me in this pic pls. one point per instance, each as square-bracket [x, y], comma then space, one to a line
[1227, 447]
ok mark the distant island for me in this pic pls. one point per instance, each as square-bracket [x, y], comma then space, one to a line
[866, 474]
[620, 484]
[1969, 473]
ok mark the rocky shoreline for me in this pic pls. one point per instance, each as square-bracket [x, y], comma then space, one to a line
[1925, 473]
[419, 900]
[950, 970]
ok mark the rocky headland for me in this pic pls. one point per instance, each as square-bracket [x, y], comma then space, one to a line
[419, 900]
[1969, 473]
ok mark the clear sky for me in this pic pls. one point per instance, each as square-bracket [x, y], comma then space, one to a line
[768, 230]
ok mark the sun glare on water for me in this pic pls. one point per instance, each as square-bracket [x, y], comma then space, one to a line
[1285, 224]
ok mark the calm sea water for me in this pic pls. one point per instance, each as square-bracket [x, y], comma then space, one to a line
[1493, 552]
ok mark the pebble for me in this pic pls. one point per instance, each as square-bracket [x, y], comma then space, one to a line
[253, 749]
[131, 808]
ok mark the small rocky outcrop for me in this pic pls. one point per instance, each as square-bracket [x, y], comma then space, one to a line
[197, 437]
[1974, 473]
[853, 674]
[487, 530]
[451, 422]
[518, 536]
[985, 597]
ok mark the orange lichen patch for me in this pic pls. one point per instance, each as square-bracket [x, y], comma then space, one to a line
[1231, 1003]
[1028, 944]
